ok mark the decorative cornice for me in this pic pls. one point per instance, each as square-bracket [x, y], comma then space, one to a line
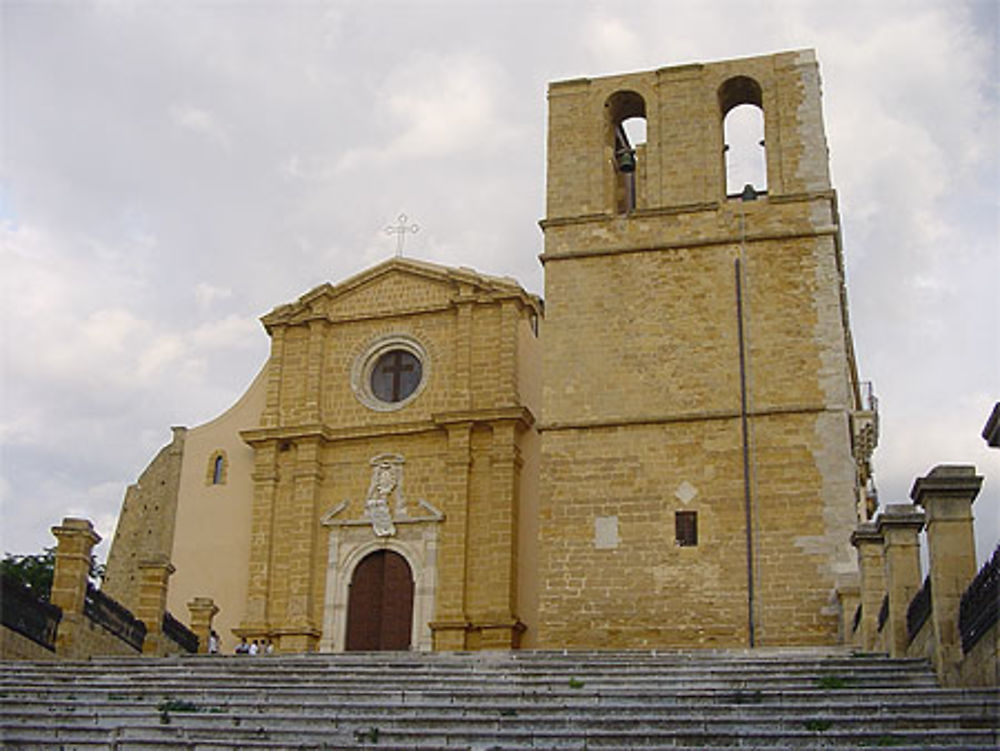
[519, 414]
[726, 414]
[822, 231]
[257, 436]
[465, 285]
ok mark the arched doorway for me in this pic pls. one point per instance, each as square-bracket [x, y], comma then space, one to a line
[380, 603]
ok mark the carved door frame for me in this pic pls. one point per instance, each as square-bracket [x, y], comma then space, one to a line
[349, 542]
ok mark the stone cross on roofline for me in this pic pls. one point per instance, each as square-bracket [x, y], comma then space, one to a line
[399, 230]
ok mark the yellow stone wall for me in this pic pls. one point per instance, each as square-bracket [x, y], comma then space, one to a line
[642, 409]
[462, 436]
[146, 522]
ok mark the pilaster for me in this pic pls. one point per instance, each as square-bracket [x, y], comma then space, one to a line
[947, 494]
[300, 628]
[451, 621]
[499, 627]
[265, 484]
[272, 411]
[314, 372]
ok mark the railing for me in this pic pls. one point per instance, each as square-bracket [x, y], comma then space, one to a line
[980, 605]
[857, 618]
[117, 619]
[869, 401]
[181, 635]
[919, 610]
[24, 613]
[883, 613]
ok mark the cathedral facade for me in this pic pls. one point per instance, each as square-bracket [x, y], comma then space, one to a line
[671, 451]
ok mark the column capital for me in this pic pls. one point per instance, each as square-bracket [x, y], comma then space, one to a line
[900, 516]
[866, 533]
[946, 482]
[160, 562]
[73, 527]
[203, 605]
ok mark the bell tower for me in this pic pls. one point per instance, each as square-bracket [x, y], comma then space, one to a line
[697, 480]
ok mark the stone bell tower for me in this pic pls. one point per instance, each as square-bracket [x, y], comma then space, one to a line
[698, 486]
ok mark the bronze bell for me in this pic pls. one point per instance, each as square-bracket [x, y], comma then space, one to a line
[626, 160]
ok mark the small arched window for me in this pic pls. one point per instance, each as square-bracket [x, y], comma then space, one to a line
[626, 116]
[217, 468]
[745, 158]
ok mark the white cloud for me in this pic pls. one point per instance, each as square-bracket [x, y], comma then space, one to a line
[200, 121]
[207, 294]
[613, 45]
[437, 106]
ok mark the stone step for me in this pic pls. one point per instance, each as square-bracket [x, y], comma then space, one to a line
[634, 736]
[729, 719]
[792, 702]
[781, 698]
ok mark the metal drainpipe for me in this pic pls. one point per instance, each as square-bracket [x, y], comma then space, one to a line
[745, 425]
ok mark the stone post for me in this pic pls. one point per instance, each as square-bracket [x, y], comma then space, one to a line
[202, 610]
[849, 598]
[75, 540]
[871, 562]
[899, 525]
[153, 574]
[947, 495]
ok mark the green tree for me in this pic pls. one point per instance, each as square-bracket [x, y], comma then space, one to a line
[35, 571]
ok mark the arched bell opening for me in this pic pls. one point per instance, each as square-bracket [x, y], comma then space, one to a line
[626, 142]
[743, 151]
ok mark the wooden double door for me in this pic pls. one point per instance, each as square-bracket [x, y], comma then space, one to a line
[380, 603]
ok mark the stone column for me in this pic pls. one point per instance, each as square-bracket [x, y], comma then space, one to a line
[899, 525]
[153, 576]
[75, 540]
[871, 562]
[202, 610]
[947, 495]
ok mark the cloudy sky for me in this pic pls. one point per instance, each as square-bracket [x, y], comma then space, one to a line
[172, 170]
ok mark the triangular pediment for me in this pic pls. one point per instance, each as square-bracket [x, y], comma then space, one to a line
[399, 286]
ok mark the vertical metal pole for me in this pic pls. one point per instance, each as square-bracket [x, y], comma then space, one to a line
[744, 422]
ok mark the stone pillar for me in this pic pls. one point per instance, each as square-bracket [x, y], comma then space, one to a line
[871, 563]
[947, 495]
[498, 626]
[849, 597]
[202, 610]
[265, 491]
[899, 525]
[153, 576]
[451, 623]
[298, 630]
[75, 540]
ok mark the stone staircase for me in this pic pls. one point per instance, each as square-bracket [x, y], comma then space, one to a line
[781, 698]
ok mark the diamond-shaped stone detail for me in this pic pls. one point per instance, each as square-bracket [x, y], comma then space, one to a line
[685, 492]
